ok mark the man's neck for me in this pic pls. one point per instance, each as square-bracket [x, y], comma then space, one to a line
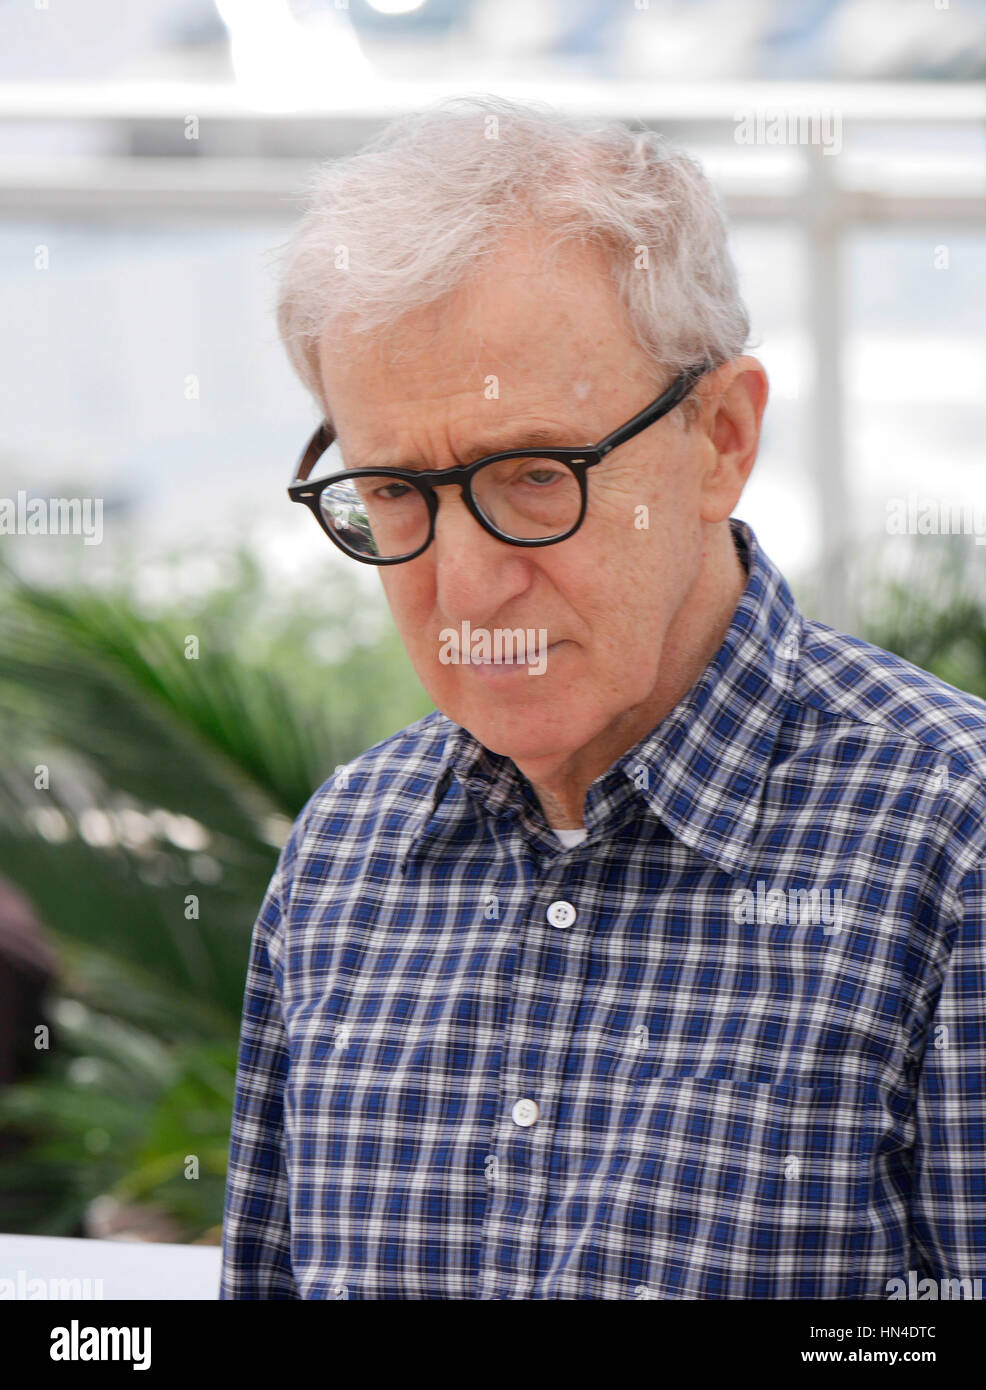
[688, 648]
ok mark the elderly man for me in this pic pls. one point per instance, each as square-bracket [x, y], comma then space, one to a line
[651, 964]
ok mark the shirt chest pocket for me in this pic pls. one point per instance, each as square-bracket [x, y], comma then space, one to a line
[746, 1160]
[726, 1186]
[736, 1113]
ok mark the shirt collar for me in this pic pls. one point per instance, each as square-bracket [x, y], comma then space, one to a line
[702, 769]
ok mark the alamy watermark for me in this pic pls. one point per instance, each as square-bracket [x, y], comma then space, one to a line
[918, 515]
[24, 1287]
[777, 125]
[792, 906]
[52, 516]
[929, 1289]
[78, 1342]
[501, 646]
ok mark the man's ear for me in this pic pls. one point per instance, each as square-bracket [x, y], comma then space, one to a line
[730, 421]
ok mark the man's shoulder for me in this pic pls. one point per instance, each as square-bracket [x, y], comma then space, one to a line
[855, 681]
[396, 772]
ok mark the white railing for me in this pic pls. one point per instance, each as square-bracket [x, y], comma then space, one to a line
[56, 1267]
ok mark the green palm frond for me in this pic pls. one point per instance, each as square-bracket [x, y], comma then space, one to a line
[144, 794]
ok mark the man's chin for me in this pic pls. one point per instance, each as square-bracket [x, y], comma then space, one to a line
[525, 736]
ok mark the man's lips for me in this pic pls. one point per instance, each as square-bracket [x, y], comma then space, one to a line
[511, 665]
[511, 660]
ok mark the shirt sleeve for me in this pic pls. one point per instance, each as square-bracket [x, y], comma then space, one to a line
[948, 1217]
[256, 1247]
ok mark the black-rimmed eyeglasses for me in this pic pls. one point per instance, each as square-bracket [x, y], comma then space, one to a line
[528, 497]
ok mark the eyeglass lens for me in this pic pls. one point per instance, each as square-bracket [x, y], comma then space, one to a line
[376, 515]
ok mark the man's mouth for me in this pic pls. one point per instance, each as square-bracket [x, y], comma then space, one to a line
[532, 663]
[496, 650]
[514, 658]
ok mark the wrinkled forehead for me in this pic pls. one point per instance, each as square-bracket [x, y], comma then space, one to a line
[536, 316]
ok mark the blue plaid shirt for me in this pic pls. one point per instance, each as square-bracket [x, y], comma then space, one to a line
[732, 1045]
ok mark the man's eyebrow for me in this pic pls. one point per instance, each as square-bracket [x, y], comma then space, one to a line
[545, 436]
[549, 436]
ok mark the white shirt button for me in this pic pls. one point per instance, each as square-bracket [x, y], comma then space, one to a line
[525, 1112]
[561, 914]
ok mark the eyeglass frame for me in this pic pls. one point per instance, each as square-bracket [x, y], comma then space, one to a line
[426, 480]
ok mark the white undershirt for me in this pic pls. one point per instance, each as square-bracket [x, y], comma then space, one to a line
[572, 837]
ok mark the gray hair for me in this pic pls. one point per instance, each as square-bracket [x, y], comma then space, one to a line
[419, 209]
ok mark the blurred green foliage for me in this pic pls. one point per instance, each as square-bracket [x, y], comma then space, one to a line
[923, 597]
[172, 780]
[172, 776]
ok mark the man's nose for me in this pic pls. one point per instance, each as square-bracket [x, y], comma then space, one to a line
[475, 573]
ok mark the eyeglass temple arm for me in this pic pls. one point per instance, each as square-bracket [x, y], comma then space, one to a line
[314, 450]
[665, 403]
[674, 395]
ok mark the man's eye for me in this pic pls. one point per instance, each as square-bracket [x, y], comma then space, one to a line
[538, 477]
[392, 492]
